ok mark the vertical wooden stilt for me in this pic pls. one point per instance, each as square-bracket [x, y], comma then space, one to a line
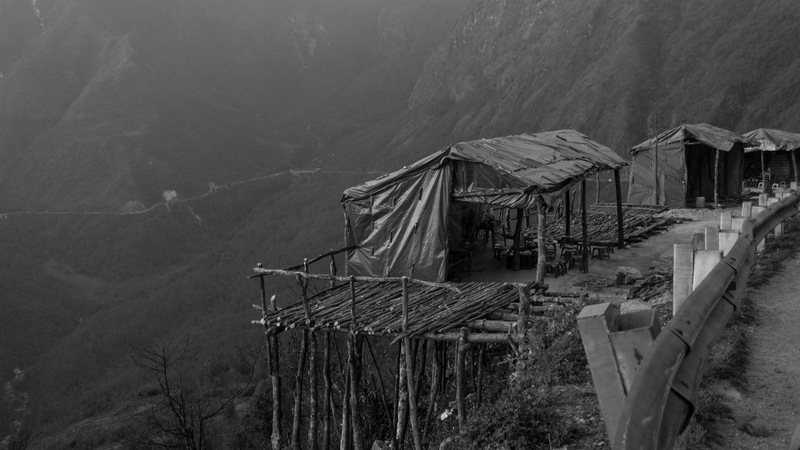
[716, 180]
[460, 388]
[435, 382]
[584, 228]
[354, 356]
[355, 391]
[326, 392]
[346, 441]
[312, 392]
[518, 244]
[412, 395]
[620, 223]
[298, 392]
[540, 235]
[274, 369]
[479, 389]
[402, 397]
[567, 214]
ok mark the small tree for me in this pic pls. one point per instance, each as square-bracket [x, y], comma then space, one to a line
[186, 404]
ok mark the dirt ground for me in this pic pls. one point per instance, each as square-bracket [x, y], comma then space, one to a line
[766, 416]
[656, 251]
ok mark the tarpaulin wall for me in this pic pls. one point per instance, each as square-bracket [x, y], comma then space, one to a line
[669, 189]
[684, 171]
[401, 230]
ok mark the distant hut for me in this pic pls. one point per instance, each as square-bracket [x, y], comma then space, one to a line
[687, 162]
[773, 162]
[406, 223]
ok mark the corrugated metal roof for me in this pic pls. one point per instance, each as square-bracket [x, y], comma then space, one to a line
[704, 133]
[772, 140]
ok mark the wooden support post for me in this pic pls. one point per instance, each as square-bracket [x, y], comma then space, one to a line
[794, 164]
[541, 235]
[620, 223]
[313, 417]
[518, 239]
[716, 180]
[460, 388]
[354, 358]
[479, 390]
[421, 372]
[402, 397]
[764, 181]
[326, 392]
[298, 392]
[584, 228]
[524, 310]
[355, 390]
[412, 394]
[567, 214]
[273, 352]
[436, 376]
[385, 402]
[346, 441]
[597, 193]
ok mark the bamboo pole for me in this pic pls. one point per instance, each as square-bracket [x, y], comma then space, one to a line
[716, 179]
[541, 236]
[460, 388]
[584, 228]
[620, 222]
[298, 392]
[517, 240]
[412, 395]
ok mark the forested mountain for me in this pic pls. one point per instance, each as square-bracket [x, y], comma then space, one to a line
[108, 106]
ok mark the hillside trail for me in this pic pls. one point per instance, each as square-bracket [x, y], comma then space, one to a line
[766, 416]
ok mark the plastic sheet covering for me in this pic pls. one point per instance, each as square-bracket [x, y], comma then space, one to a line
[773, 140]
[400, 229]
[400, 221]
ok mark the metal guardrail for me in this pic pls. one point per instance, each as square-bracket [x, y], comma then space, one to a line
[664, 391]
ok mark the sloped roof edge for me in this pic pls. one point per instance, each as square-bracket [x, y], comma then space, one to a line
[707, 134]
[542, 161]
[771, 140]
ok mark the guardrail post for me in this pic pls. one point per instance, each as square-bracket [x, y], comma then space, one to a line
[747, 209]
[682, 273]
[704, 262]
[725, 220]
[762, 200]
[726, 240]
[712, 238]
[614, 345]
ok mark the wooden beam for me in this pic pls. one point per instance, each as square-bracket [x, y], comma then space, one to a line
[620, 224]
[584, 228]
